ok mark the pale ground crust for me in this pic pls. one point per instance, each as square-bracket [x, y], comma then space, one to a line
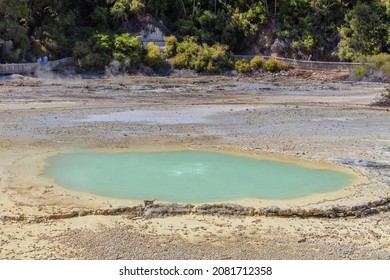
[28, 166]
[280, 121]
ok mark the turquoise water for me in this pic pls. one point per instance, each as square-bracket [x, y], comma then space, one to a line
[187, 176]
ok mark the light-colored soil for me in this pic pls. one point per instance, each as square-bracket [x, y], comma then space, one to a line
[302, 117]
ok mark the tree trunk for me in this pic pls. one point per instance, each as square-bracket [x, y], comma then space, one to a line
[193, 7]
[276, 6]
[315, 6]
[184, 7]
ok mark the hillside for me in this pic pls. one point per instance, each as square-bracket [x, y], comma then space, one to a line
[305, 29]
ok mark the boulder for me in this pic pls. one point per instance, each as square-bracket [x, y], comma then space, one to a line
[280, 47]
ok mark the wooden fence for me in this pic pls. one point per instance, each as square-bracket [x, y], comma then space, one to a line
[31, 68]
[308, 64]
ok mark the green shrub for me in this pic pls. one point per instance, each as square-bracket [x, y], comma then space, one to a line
[360, 71]
[222, 57]
[243, 66]
[127, 50]
[274, 65]
[153, 56]
[385, 68]
[283, 66]
[202, 58]
[94, 54]
[170, 46]
[257, 62]
[213, 59]
[374, 68]
[186, 53]
[379, 60]
[382, 62]
[180, 61]
[271, 65]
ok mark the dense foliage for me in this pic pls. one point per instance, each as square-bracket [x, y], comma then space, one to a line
[153, 56]
[366, 31]
[93, 31]
[257, 62]
[201, 58]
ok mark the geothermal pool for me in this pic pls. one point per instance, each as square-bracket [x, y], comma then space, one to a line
[189, 176]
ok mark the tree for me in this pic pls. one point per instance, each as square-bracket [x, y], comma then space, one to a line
[128, 50]
[94, 54]
[14, 17]
[365, 31]
[121, 9]
[186, 53]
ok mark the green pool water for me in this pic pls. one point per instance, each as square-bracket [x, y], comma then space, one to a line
[188, 176]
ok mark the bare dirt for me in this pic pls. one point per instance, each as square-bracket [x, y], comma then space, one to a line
[320, 117]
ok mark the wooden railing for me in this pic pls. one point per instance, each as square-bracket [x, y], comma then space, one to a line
[31, 68]
[308, 64]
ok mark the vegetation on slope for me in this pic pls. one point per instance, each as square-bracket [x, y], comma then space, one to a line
[94, 31]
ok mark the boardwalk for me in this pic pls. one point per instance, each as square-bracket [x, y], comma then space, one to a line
[31, 68]
[308, 64]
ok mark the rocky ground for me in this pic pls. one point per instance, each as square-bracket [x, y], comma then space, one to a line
[301, 115]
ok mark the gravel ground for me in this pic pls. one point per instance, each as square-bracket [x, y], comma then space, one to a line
[310, 116]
